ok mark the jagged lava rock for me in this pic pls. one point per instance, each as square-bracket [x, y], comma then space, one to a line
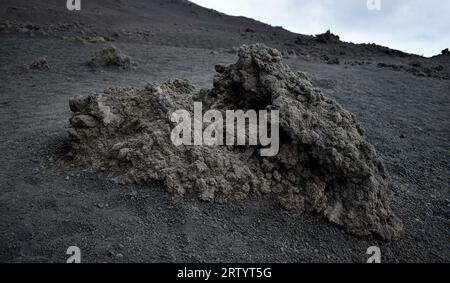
[111, 57]
[39, 64]
[324, 165]
[328, 38]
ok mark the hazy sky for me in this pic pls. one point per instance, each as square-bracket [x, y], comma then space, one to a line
[416, 26]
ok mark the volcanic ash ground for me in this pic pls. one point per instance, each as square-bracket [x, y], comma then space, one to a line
[324, 165]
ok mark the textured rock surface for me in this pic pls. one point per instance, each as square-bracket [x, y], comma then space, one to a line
[327, 37]
[324, 166]
[39, 64]
[111, 57]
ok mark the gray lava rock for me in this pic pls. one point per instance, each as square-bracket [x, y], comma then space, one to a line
[39, 64]
[111, 57]
[327, 38]
[324, 166]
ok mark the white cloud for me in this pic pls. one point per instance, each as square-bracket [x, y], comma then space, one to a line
[415, 26]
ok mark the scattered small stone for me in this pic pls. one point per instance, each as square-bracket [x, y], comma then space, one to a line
[96, 39]
[3, 27]
[22, 30]
[334, 61]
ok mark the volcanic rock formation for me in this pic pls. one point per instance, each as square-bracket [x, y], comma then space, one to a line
[111, 57]
[327, 37]
[324, 165]
[39, 64]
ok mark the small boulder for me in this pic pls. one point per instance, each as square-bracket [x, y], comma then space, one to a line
[39, 64]
[111, 57]
[327, 38]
